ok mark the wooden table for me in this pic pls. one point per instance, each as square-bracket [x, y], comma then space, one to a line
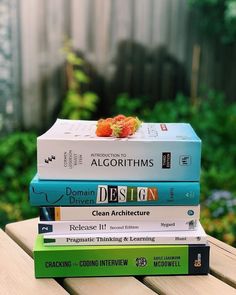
[17, 272]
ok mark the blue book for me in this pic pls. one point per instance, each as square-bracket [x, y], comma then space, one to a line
[112, 193]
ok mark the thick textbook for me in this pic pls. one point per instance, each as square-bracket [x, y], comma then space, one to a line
[133, 238]
[112, 193]
[77, 227]
[87, 261]
[120, 213]
[70, 149]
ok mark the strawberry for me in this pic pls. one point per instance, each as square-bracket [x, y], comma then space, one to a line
[107, 120]
[119, 118]
[134, 123]
[104, 127]
[121, 129]
[119, 126]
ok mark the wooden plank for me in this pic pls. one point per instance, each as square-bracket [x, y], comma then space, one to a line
[160, 23]
[29, 27]
[181, 30]
[122, 21]
[222, 245]
[42, 33]
[107, 286]
[17, 269]
[24, 233]
[223, 264]
[101, 34]
[53, 68]
[142, 21]
[79, 23]
[185, 285]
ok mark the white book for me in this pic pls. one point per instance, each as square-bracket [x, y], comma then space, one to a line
[121, 213]
[70, 149]
[86, 227]
[135, 238]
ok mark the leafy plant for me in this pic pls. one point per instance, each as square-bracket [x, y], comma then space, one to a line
[78, 104]
[216, 18]
[17, 167]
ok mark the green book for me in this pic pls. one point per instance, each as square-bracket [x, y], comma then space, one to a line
[88, 261]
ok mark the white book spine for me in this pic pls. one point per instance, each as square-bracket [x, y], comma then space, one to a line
[86, 227]
[71, 150]
[162, 161]
[136, 238]
[121, 213]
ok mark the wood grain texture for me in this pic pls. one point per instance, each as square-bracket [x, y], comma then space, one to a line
[107, 286]
[194, 285]
[98, 28]
[222, 265]
[43, 28]
[222, 245]
[24, 234]
[17, 272]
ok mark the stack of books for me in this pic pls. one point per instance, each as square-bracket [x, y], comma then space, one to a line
[112, 206]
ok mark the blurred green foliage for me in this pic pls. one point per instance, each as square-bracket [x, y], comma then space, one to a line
[216, 18]
[215, 122]
[17, 167]
[78, 104]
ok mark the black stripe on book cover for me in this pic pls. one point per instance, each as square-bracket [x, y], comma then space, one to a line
[198, 259]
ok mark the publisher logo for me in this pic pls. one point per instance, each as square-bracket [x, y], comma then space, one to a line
[163, 127]
[49, 159]
[185, 160]
[141, 261]
[198, 261]
[190, 212]
[121, 194]
[44, 228]
[192, 224]
[166, 160]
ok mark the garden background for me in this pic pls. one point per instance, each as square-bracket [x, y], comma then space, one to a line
[163, 60]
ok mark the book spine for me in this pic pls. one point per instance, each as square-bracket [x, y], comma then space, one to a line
[73, 227]
[144, 238]
[94, 193]
[121, 260]
[128, 213]
[84, 159]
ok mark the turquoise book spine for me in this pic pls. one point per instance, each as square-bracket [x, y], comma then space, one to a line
[112, 193]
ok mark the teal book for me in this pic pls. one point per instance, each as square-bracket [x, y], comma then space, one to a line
[135, 260]
[112, 193]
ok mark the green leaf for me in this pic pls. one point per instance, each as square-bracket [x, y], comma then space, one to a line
[74, 60]
[90, 100]
[81, 77]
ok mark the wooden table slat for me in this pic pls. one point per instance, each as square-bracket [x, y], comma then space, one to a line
[222, 245]
[17, 272]
[222, 265]
[24, 234]
[107, 285]
[194, 285]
